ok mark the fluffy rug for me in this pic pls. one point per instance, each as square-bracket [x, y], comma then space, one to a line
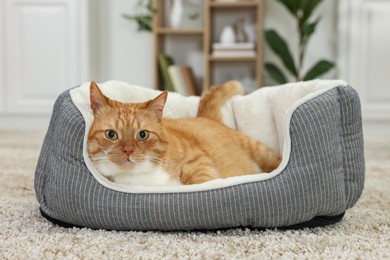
[364, 232]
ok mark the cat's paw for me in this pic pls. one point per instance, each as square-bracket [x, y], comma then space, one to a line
[199, 177]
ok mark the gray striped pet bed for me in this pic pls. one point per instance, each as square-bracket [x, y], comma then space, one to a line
[315, 125]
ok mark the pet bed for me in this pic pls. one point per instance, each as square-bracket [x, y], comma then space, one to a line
[315, 125]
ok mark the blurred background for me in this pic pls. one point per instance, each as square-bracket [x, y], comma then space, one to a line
[47, 47]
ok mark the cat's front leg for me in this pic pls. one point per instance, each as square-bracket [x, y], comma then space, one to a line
[198, 171]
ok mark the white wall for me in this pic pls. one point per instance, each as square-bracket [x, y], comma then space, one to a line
[119, 51]
[364, 58]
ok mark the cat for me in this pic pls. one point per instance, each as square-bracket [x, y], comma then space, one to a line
[131, 143]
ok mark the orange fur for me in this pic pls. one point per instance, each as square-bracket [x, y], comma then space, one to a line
[213, 99]
[190, 150]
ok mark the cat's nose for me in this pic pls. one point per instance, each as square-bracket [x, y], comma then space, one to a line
[128, 150]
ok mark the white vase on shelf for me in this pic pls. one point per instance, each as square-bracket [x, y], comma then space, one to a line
[176, 14]
[227, 35]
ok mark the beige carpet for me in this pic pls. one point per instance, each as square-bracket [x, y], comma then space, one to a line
[364, 233]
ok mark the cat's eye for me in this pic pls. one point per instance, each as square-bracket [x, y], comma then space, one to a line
[143, 135]
[111, 135]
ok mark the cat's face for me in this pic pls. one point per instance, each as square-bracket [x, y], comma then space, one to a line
[125, 138]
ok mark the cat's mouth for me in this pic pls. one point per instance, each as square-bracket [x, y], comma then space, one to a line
[128, 162]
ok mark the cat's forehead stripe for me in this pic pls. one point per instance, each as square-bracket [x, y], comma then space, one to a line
[128, 117]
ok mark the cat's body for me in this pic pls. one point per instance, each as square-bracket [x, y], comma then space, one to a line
[133, 144]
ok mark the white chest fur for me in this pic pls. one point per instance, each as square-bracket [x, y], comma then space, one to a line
[144, 173]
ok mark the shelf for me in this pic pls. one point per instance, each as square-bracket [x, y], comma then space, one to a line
[233, 59]
[180, 31]
[237, 4]
[204, 37]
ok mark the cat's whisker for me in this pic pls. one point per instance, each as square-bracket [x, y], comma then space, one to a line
[155, 159]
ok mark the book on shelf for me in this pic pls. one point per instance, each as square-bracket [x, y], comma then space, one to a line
[189, 80]
[164, 62]
[233, 54]
[234, 50]
[177, 79]
[183, 79]
[232, 1]
[234, 46]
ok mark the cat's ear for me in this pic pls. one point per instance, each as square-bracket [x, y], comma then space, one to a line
[157, 105]
[97, 98]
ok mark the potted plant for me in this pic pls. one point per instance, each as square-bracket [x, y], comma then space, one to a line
[302, 11]
[144, 16]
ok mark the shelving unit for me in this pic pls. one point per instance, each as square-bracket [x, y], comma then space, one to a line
[210, 8]
[179, 31]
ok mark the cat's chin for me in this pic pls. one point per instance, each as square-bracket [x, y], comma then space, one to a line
[128, 164]
[109, 169]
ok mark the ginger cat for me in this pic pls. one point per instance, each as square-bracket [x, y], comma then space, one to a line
[132, 144]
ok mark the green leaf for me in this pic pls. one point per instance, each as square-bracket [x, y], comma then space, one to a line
[144, 18]
[275, 73]
[291, 5]
[309, 28]
[318, 69]
[280, 48]
[308, 7]
[144, 22]
[150, 8]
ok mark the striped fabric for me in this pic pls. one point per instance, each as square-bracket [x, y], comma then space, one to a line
[324, 177]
